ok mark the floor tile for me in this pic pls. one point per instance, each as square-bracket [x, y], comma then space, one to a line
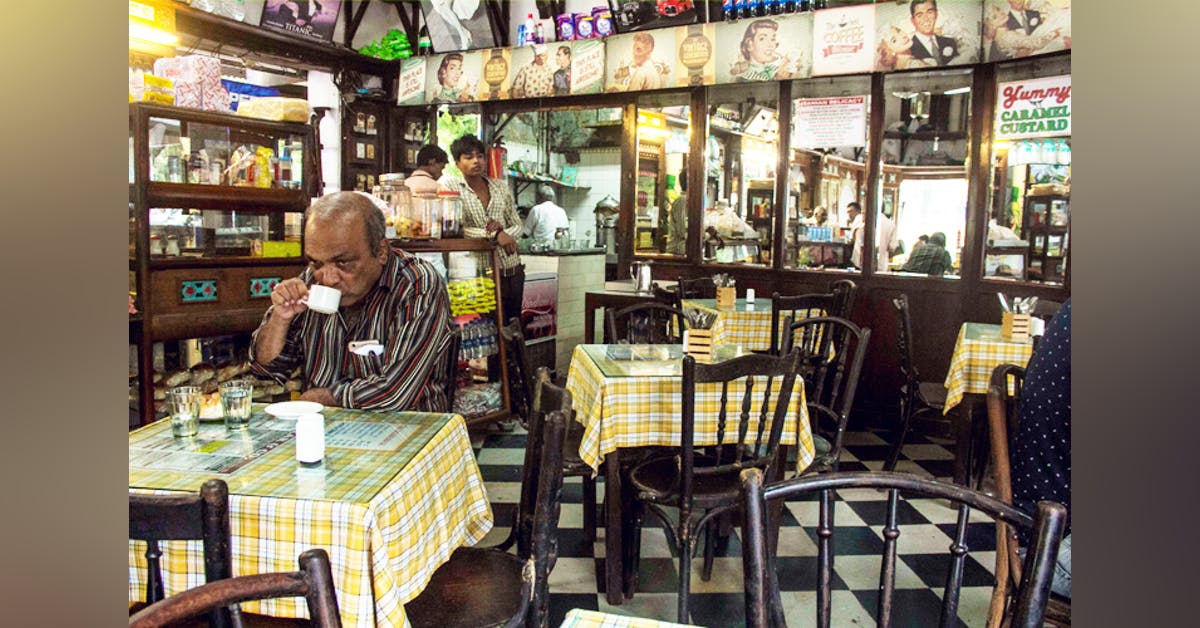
[501, 456]
[911, 608]
[861, 573]
[919, 539]
[875, 512]
[562, 603]
[926, 452]
[799, 573]
[717, 609]
[573, 575]
[727, 576]
[933, 568]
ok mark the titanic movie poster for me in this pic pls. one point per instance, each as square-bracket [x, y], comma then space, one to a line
[1021, 28]
[313, 19]
[926, 34]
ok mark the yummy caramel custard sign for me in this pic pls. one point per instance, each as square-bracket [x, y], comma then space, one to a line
[1034, 108]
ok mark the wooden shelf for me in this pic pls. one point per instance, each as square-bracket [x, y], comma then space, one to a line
[225, 197]
[445, 245]
[220, 262]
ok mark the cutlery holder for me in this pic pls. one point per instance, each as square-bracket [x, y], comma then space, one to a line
[1015, 326]
[726, 297]
[698, 343]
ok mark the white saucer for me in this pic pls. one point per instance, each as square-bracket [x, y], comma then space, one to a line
[292, 409]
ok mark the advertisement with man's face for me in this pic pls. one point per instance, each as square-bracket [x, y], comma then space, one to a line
[640, 61]
[765, 49]
[1021, 28]
[926, 34]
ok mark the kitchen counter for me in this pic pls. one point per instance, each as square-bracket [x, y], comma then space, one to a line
[599, 250]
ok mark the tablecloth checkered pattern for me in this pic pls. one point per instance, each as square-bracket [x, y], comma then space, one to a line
[643, 409]
[387, 519]
[980, 349]
[750, 328]
[581, 618]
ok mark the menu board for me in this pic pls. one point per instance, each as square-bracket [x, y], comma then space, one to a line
[827, 122]
[1034, 108]
[842, 39]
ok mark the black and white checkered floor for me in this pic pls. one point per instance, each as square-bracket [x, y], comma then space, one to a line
[926, 527]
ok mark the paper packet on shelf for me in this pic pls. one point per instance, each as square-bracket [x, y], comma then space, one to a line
[272, 108]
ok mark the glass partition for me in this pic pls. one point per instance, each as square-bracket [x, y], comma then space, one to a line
[739, 166]
[660, 205]
[208, 154]
[922, 208]
[1029, 215]
[826, 171]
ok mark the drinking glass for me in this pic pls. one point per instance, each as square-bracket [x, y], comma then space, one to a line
[183, 404]
[235, 403]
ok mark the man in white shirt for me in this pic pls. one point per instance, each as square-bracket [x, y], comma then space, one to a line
[546, 217]
[854, 213]
[643, 72]
[885, 241]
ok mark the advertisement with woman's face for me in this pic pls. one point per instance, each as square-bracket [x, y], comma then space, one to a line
[766, 49]
[926, 34]
[456, 78]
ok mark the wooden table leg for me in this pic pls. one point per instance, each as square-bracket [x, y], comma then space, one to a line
[589, 319]
[614, 587]
[965, 433]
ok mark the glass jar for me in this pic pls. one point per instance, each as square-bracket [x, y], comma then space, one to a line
[451, 203]
[423, 212]
[387, 191]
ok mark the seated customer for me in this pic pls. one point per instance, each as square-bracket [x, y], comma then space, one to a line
[388, 296]
[931, 258]
[1041, 446]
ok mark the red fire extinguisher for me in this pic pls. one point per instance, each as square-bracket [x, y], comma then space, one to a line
[497, 160]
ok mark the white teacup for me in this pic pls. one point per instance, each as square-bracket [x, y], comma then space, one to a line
[323, 299]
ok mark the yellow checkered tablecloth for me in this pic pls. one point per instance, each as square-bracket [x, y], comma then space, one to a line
[980, 349]
[636, 403]
[746, 325]
[582, 618]
[389, 517]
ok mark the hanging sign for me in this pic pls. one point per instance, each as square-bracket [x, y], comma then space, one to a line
[842, 40]
[1034, 108]
[829, 122]
[411, 90]
[587, 67]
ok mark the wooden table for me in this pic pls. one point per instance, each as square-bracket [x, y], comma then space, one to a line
[396, 494]
[746, 324]
[980, 348]
[616, 294]
[627, 403]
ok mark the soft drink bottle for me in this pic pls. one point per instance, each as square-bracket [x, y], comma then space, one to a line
[739, 7]
[728, 11]
[775, 6]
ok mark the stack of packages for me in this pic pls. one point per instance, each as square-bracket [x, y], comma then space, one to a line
[197, 81]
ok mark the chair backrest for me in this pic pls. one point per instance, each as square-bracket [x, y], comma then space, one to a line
[904, 347]
[645, 323]
[547, 397]
[1003, 398]
[1045, 309]
[666, 296]
[314, 582]
[200, 517]
[747, 449]
[536, 523]
[520, 382]
[832, 351]
[845, 292]
[798, 307]
[762, 606]
[450, 384]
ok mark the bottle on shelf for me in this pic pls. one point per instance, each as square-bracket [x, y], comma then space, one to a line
[728, 11]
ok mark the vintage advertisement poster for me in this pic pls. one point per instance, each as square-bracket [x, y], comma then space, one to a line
[765, 49]
[926, 34]
[533, 71]
[1034, 108]
[307, 18]
[410, 90]
[456, 25]
[1021, 28]
[640, 61]
[452, 77]
[497, 73]
[842, 40]
[694, 48]
[637, 15]
[829, 122]
[587, 67]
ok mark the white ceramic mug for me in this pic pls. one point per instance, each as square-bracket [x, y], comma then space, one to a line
[323, 299]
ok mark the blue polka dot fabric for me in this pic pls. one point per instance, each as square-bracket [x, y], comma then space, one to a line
[1041, 447]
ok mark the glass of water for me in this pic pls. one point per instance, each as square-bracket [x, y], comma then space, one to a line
[183, 404]
[235, 403]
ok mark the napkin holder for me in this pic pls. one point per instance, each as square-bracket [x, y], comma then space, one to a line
[698, 343]
[1015, 326]
[726, 297]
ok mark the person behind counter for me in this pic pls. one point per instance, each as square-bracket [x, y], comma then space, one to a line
[489, 211]
[930, 258]
[431, 161]
[546, 218]
[390, 297]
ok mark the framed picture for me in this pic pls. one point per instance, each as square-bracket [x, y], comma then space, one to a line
[636, 15]
[311, 19]
[457, 25]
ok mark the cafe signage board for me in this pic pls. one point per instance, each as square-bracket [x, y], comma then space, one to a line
[411, 87]
[1034, 108]
[828, 122]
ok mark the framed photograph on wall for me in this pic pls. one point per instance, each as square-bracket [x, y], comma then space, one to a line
[311, 19]
[457, 25]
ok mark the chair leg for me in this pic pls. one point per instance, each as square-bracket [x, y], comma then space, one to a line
[894, 454]
[686, 546]
[710, 550]
[589, 509]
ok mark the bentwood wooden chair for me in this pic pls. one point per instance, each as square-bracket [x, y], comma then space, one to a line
[796, 307]
[917, 398]
[645, 323]
[832, 351]
[197, 517]
[482, 586]
[844, 291]
[314, 582]
[701, 482]
[1003, 405]
[520, 380]
[762, 581]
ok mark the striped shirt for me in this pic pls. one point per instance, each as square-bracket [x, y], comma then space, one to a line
[501, 207]
[408, 312]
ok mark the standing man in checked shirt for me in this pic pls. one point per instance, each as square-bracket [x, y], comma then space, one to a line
[490, 211]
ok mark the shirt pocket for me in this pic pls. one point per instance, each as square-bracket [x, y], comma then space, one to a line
[368, 365]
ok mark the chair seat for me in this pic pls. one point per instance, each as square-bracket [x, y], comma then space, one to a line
[477, 587]
[658, 480]
[933, 393]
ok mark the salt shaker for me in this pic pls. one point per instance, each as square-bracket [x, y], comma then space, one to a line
[310, 439]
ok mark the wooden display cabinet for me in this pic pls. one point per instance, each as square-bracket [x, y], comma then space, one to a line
[216, 219]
